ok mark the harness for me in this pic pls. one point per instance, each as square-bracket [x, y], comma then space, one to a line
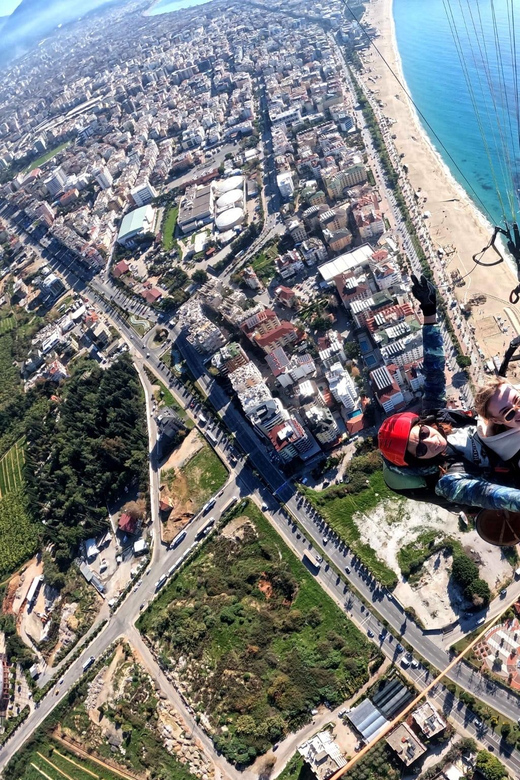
[418, 482]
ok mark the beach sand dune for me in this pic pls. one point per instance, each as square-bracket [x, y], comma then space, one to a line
[454, 220]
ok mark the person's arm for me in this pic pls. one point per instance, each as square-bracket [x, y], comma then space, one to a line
[434, 365]
[434, 362]
[461, 488]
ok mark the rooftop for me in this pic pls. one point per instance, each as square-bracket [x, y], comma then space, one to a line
[345, 262]
[137, 220]
[406, 744]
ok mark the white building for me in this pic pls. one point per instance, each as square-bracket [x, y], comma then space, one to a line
[267, 415]
[322, 424]
[136, 224]
[313, 251]
[322, 754]
[334, 352]
[403, 351]
[104, 178]
[387, 389]
[342, 387]
[55, 181]
[285, 184]
[345, 263]
[143, 194]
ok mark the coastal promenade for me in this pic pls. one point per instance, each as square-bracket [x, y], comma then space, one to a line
[454, 220]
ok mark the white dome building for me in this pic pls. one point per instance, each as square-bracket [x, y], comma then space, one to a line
[229, 218]
[230, 200]
[226, 185]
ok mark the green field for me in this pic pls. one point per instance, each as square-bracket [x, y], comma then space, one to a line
[262, 643]
[263, 264]
[11, 469]
[7, 324]
[18, 535]
[169, 225]
[339, 513]
[52, 760]
[198, 479]
[47, 156]
[205, 472]
[165, 397]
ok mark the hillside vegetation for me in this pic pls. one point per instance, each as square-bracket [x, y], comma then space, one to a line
[90, 443]
[261, 643]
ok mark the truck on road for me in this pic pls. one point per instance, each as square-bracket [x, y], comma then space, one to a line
[211, 438]
[88, 663]
[208, 506]
[312, 560]
[160, 582]
[233, 500]
[178, 539]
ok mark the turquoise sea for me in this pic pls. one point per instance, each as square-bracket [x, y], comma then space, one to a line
[166, 6]
[479, 126]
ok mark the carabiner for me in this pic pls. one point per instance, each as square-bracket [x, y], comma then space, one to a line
[514, 295]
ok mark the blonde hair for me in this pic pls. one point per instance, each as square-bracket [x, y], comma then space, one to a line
[486, 392]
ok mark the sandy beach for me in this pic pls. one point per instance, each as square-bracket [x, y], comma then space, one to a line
[454, 219]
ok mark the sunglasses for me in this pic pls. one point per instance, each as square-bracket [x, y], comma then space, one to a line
[510, 414]
[422, 448]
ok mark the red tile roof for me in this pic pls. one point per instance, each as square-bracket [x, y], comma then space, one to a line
[284, 329]
[120, 268]
[152, 296]
[127, 524]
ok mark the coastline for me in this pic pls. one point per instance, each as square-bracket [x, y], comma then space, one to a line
[455, 220]
[179, 6]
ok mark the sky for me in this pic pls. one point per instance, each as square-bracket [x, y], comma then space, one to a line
[7, 6]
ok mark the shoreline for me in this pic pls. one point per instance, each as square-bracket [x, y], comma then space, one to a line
[455, 219]
[179, 6]
[425, 136]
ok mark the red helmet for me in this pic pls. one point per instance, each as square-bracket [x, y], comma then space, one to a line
[393, 436]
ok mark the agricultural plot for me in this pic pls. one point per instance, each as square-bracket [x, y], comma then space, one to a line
[7, 324]
[11, 469]
[55, 762]
[115, 705]
[18, 534]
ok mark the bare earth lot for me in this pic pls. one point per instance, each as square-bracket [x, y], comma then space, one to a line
[393, 524]
[190, 476]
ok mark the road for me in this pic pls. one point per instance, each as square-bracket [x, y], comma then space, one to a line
[153, 456]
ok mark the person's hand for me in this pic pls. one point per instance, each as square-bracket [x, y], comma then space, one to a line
[424, 291]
